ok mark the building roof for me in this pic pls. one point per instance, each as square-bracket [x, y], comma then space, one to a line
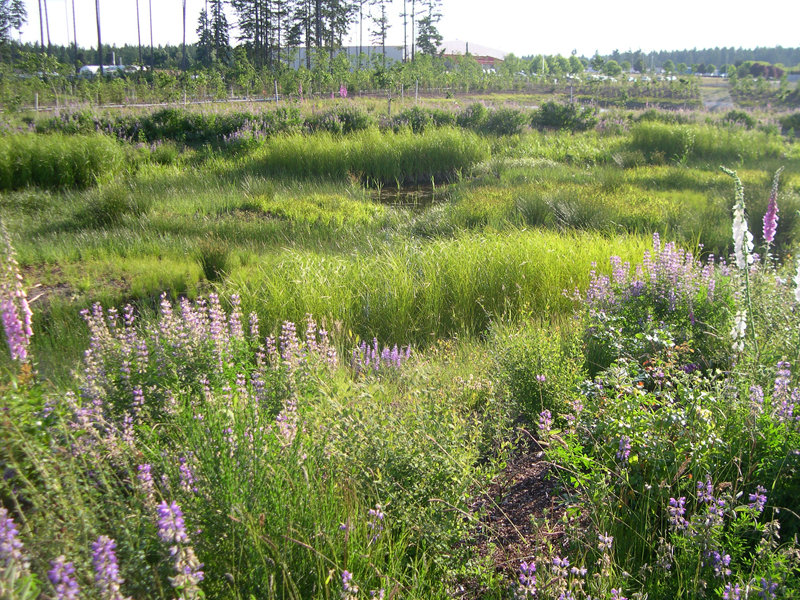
[456, 47]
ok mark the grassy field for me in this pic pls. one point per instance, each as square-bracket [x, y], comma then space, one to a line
[347, 337]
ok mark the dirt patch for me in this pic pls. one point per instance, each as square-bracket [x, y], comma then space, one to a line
[521, 517]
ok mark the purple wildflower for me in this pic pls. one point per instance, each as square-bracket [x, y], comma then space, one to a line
[768, 589]
[545, 421]
[759, 499]
[10, 546]
[624, 451]
[106, 569]
[677, 510]
[349, 589]
[14, 310]
[705, 491]
[171, 527]
[541, 378]
[62, 576]
[605, 542]
[719, 562]
[375, 523]
[617, 594]
[732, 592]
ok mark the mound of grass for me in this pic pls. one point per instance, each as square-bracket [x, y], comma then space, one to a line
[57, 161]
[372, 156]
[417, 293]
[661, 142]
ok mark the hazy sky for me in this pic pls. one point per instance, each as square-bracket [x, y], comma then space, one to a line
[523, 27]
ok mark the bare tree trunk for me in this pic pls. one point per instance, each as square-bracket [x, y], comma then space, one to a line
[152, 53]
[41, 25]
[47, 25]
[139, 32]
[74, 33]
[183, 60]
[405, 31]
[413, 23]
[99, 39]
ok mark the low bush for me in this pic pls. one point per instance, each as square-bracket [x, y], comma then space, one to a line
[473, 117]
[791, 122]
[505, 121]
[552, 115]
[739, 117]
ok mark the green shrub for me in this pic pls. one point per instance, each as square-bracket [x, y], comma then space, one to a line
[110, 205]
[540, 365]
[342, 119]
[418, 119]
[505, 121]
[791, 122]
[739, 117]
[552, 115]
[473, 117]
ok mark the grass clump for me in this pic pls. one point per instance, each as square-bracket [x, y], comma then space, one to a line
[57, 161]
[661, 142]
[372, 156]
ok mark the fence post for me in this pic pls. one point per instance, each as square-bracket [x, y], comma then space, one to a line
[416, 92]
[36, 101]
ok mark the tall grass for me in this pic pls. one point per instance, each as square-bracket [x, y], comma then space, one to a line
[57, 161]
[662, 142]
[387, 158]
[420, 292]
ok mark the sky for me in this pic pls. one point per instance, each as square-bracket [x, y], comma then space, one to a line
[523, 27]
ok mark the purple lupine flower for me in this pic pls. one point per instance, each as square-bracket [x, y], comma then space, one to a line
[527, 576]
[624, 451]
[188, 573]
[171, 527]
[375, 523]
[145, 478]
[545, 421]
[10, 545]
[705, 491]
[187, 476]
[106, 569]
[560, 566]
[349, 589]
[14, 309]
[718, 562]
[342, 91]
[759, 499]
[62, 576]
[732, 592]
[605, 542]
[768, 589]
[677, 510]
[757, 395]
[617, 594]
[541, 378]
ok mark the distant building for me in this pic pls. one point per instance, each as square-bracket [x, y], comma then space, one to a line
[489, 58]
[92, 70]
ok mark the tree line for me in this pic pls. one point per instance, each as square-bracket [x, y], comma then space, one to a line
[270, 31]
